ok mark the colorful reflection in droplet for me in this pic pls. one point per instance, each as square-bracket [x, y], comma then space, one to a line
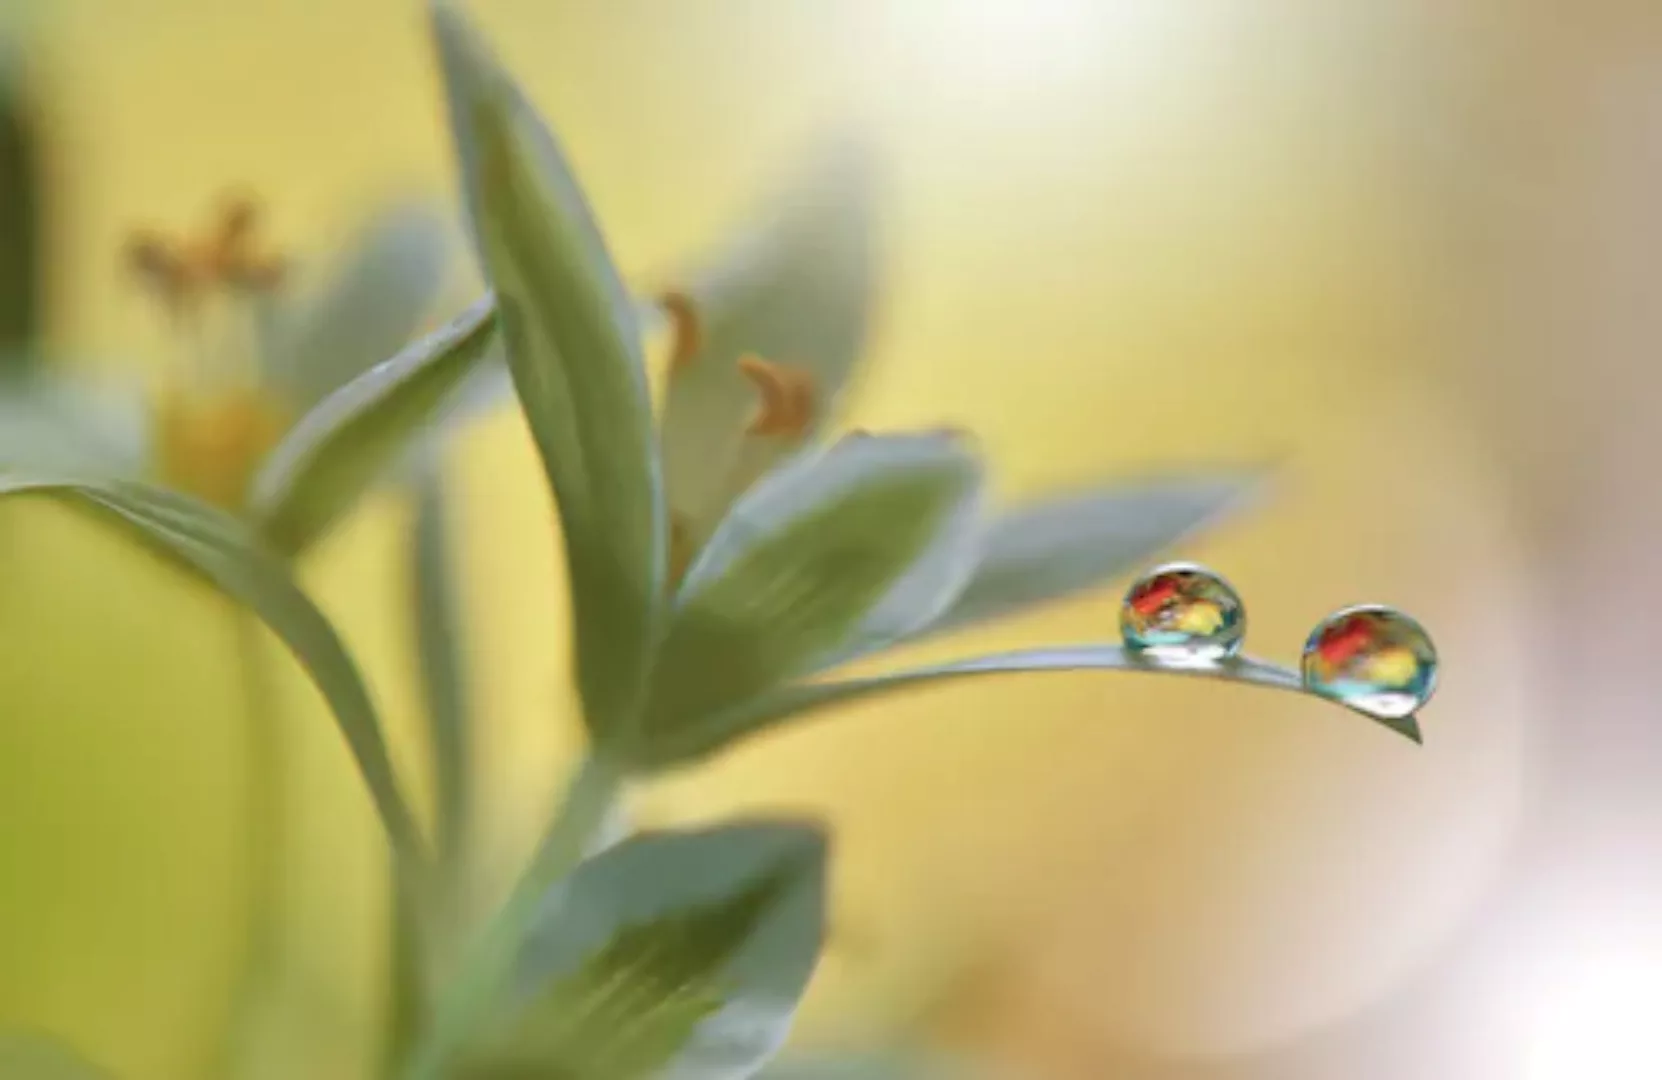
[1372, 658]
[1182, 613]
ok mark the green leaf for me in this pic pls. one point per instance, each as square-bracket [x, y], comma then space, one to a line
[343, 445]
[574, 349]
[1052, 547]
[26, 1056]
[373, 304]
[927, 589]
[801, 701]
[679, 954]
[794, 287]
[824, 553]
[21, 302]
[439, 644]
[220, 550]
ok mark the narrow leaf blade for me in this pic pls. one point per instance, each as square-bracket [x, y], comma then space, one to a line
[824, 554]
[573, 347]
[804, 700]
[1053, 547]
[343, 445]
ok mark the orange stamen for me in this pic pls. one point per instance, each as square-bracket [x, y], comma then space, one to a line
[685, 326]
[785, 404]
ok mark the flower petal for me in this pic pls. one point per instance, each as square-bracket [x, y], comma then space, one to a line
[794, 290]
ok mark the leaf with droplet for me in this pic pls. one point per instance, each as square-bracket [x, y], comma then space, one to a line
[373, 303]
[824, 553]
[343, 445]
[794, 288]
[1052, 547]
[27, 1056]
[806, 699]
[677, 954]
[573, 347]
[221, 550]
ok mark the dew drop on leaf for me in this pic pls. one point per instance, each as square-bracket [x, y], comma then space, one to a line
[1372, 658]
[1182, 613]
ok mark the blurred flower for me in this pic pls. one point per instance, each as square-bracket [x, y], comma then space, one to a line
[257, 357]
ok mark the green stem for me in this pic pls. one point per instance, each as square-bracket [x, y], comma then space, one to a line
[422, 942]
[408, 1005]
[487, 965]
[265, 845]
[438, 633]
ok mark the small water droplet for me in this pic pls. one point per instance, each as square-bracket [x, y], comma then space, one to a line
[1182, 613]
[1373, 658]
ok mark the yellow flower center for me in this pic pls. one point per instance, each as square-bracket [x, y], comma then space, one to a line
[209, 444]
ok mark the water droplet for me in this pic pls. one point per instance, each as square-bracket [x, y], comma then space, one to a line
[1372, 658]
[1181, 613]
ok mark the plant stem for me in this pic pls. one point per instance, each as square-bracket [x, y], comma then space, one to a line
[408, 1003]
[487, 965]
[422, 942]
[266, 844]
[438, 632]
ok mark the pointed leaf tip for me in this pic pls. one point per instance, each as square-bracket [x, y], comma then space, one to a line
[572, 342]
[1408, 727]
[351, 437]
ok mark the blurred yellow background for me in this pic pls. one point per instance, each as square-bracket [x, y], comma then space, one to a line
[1120, 236]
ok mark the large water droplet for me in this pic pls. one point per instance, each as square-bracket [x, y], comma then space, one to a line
[1372, 658]
[1181, 613]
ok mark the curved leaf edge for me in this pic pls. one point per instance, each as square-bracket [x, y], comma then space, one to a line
[155, 518]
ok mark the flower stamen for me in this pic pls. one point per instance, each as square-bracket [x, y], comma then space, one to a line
[686, 328]
[231, 255]
[785, 397]
[166, 268]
